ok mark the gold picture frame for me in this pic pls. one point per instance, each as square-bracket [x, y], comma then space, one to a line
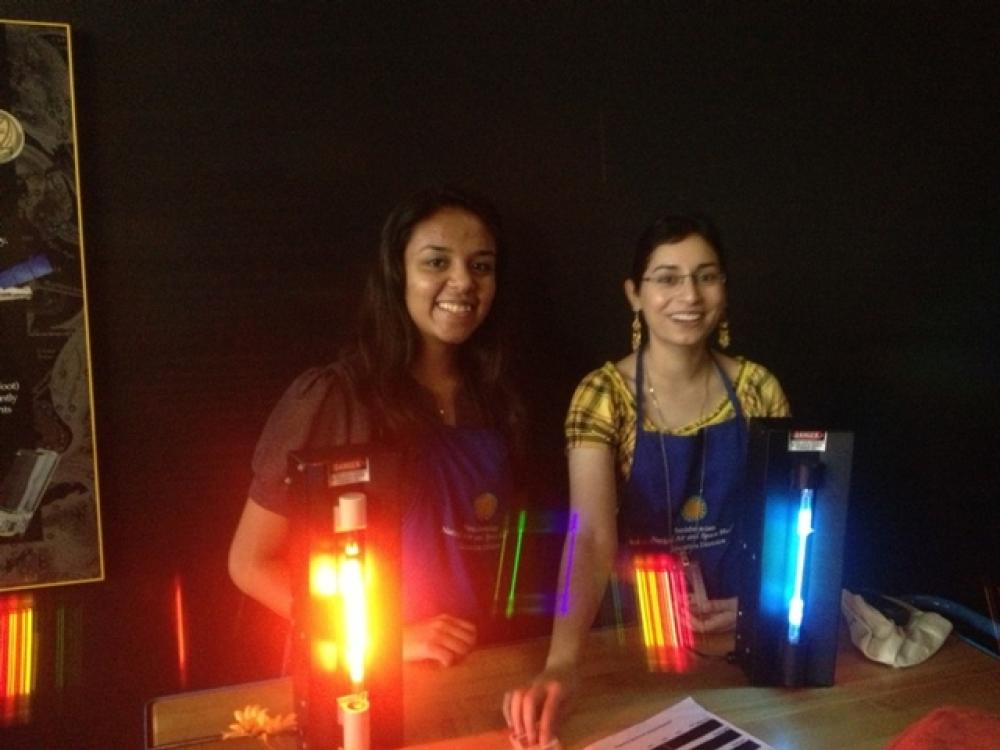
[50, 521]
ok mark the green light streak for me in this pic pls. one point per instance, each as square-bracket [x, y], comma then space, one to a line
[521, 520]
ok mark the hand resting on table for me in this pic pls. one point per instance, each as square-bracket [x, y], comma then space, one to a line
[532, 711]
[442, 638]
[713, 615]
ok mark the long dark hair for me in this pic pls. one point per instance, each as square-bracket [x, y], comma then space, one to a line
[388, 340]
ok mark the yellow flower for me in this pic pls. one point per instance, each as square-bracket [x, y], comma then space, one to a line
[255, 721]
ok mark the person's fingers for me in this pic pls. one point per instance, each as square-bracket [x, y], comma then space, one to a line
[457, 622]
[533, 712]
[723, 605]
[713, 615]
[456, 628]
[714, 623]
[443, 638]
[554, 695]
[529, 715]
[697, 623]
[709, 606]
[505, 708]
[719, 622]
[457, 645]
[448, 629]
[446, 649]
[441, 654]
[516, 711]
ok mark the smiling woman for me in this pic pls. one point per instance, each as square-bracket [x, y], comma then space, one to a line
[450, 264]
[426, 375]
[656, 448]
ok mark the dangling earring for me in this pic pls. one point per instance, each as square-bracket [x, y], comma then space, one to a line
[636, 332]
[723, 334]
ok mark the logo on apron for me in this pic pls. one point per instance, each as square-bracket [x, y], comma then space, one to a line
[484, 506]
[694, 509]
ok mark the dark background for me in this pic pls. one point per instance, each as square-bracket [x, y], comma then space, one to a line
[237, 160]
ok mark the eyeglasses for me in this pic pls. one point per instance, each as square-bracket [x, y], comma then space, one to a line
[704, 279]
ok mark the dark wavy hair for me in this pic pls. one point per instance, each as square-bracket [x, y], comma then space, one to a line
[668, 230]
[388, 340]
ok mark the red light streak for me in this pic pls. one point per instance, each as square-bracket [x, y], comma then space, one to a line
[18, 658]
[5, 648]
[181, 631]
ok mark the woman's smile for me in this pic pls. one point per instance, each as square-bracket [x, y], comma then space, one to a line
[455, 308]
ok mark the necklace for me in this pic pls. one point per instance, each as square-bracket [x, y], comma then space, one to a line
[442, 390]
[695, 507]
[445, 403]
[656, 402]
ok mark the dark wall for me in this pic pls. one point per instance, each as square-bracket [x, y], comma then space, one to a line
[237, 160]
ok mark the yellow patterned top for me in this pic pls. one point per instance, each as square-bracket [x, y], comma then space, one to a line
[602, 410]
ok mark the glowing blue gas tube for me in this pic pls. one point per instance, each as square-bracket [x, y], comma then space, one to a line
[792, 534]
[802, 531]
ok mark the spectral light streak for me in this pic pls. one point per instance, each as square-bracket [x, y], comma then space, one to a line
[180, 628]
[503, 551]
[521, 522]
[571, 532]
[18, 658]
[663, 611]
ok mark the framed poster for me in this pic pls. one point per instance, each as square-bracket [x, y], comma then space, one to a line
[50, 529]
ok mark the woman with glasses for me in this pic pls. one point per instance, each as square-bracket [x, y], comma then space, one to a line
[656, 446]
[429, 376]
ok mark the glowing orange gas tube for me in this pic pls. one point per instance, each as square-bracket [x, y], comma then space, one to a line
[346, 597]
[338, 622]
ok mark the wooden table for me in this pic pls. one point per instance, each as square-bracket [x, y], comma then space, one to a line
[458, 708]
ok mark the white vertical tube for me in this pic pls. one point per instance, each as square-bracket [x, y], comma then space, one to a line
[355, 718]
[349, 512]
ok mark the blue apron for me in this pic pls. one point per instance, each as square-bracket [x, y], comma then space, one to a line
[704, 516]
[458, 493]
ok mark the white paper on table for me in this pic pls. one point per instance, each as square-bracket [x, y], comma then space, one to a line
[683, 726]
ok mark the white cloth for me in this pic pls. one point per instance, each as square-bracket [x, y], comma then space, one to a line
[882, 640]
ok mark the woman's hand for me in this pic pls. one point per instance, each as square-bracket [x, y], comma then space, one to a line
[713, 615]
[532, 711]
[442, 638]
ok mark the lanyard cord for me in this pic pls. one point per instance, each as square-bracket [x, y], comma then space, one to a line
[703, 432]
[666, 481]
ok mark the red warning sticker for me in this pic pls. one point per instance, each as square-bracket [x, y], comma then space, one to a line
[807, 440]
[352, 471]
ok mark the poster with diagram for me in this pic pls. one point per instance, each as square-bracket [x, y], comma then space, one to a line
[50, 530]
